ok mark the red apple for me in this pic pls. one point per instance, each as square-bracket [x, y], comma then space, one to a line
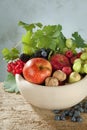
[36, 70]
[59, 61]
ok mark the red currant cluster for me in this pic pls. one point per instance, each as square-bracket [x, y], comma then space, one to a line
[69, 54]
[15, 67]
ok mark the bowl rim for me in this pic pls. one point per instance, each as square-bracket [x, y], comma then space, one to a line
[20, 77]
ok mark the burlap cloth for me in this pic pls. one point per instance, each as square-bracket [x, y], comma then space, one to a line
[17, 114]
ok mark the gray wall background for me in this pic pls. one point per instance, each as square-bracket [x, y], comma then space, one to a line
[71, 14]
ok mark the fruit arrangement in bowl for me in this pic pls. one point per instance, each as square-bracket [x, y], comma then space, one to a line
[50, 70]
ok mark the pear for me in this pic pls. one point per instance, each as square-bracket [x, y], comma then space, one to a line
[74, 77]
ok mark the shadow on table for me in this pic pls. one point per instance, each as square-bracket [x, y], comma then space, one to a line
[48, 117]
[43, 113]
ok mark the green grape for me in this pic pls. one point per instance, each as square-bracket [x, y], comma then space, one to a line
[77, 66]
[82, 70]
[69, 43]
[65, 49]
[84, 56]
[85, 68]
[74, 77]
[85, 62]
[78, 60]
[85, 49]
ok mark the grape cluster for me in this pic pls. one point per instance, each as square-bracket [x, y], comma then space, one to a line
[44, 53]
[15, 67]
[24, 57]
[80, 64]
[73, 113]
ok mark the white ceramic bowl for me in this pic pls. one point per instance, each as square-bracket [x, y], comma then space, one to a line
[61, 97]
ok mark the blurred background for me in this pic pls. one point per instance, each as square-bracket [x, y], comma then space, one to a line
[71, 14]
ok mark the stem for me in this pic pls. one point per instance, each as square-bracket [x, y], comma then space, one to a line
[17, 44]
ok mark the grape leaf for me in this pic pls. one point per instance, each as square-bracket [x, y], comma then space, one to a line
[10, 54]
[78, 40]
[29, 45]
[27, 37]
[29, 27]
[49, 37]
[10, 84]
[51, 30]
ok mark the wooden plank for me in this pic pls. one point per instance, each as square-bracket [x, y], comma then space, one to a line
[17, 114]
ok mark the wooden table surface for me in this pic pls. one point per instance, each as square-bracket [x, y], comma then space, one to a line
[17, 114]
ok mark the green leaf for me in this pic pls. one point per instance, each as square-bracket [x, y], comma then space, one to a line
[29, 27]
[27, 37]
[39, 25]
[10, 54]
[49, 37]
[10, 84]
[27, 49]
[52, 30]
[29, 46]
[78, 40]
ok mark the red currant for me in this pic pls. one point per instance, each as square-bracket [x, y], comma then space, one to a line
[79, 54]
[9, 67]
[15, 67]
[67, 70]
[72, 59]
[69, 53]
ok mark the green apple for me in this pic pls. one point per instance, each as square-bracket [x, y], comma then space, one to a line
[74, 77]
